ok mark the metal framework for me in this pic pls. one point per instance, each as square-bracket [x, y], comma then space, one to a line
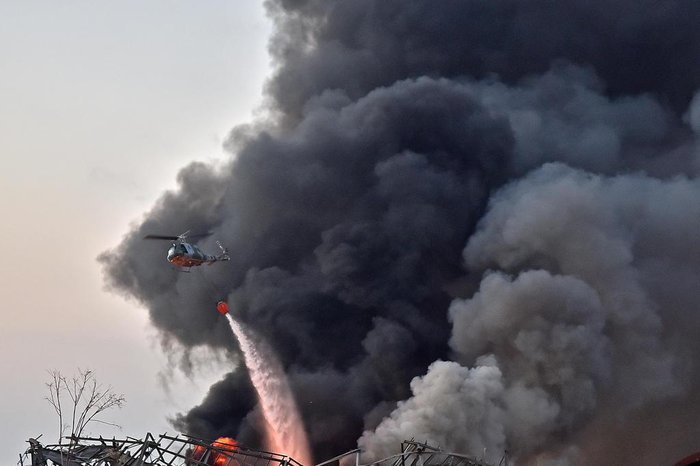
[421, 454]
[417, 454]
[182, 450]
[165, 450]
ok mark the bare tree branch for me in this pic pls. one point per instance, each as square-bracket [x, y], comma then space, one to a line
[87, 398]
[55, 387]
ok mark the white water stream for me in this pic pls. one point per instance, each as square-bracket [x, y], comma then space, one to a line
[285, 430]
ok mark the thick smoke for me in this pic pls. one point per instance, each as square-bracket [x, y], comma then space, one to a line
[592, 310]
[472, 223]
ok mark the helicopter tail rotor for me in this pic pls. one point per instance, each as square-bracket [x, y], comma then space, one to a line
[224, 253]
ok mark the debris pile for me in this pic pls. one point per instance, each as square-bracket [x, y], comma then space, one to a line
[182, 450]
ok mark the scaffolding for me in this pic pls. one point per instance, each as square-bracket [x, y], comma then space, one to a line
[415, 454]
[165, 450]
[183, 450]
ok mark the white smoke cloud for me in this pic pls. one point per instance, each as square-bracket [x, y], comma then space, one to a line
[547, 330]
[586, 302]
[448, 395]
[603, 231]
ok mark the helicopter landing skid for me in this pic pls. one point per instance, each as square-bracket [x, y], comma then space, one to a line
[182, 269]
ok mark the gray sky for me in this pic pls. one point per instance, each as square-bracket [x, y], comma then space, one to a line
[102, 103]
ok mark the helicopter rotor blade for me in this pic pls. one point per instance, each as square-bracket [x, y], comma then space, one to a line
[199, 235]
[161, 237]
[185, 236]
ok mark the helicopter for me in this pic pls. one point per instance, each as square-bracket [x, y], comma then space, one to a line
[185, 255]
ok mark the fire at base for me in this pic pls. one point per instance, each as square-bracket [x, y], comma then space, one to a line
[216, 455]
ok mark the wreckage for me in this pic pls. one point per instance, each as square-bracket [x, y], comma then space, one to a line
[181, 450]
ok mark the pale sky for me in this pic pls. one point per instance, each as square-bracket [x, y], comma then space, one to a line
[101, 103]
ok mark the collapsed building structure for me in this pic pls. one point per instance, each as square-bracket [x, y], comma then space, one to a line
[182, 450]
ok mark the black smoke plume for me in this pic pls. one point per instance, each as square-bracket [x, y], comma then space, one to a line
[473, 223]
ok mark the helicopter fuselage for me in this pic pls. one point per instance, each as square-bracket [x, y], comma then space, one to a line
[188, 255]
[184, 254]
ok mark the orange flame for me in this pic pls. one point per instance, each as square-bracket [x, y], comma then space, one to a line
[223, 443]
[196, 454]
[216, 458]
